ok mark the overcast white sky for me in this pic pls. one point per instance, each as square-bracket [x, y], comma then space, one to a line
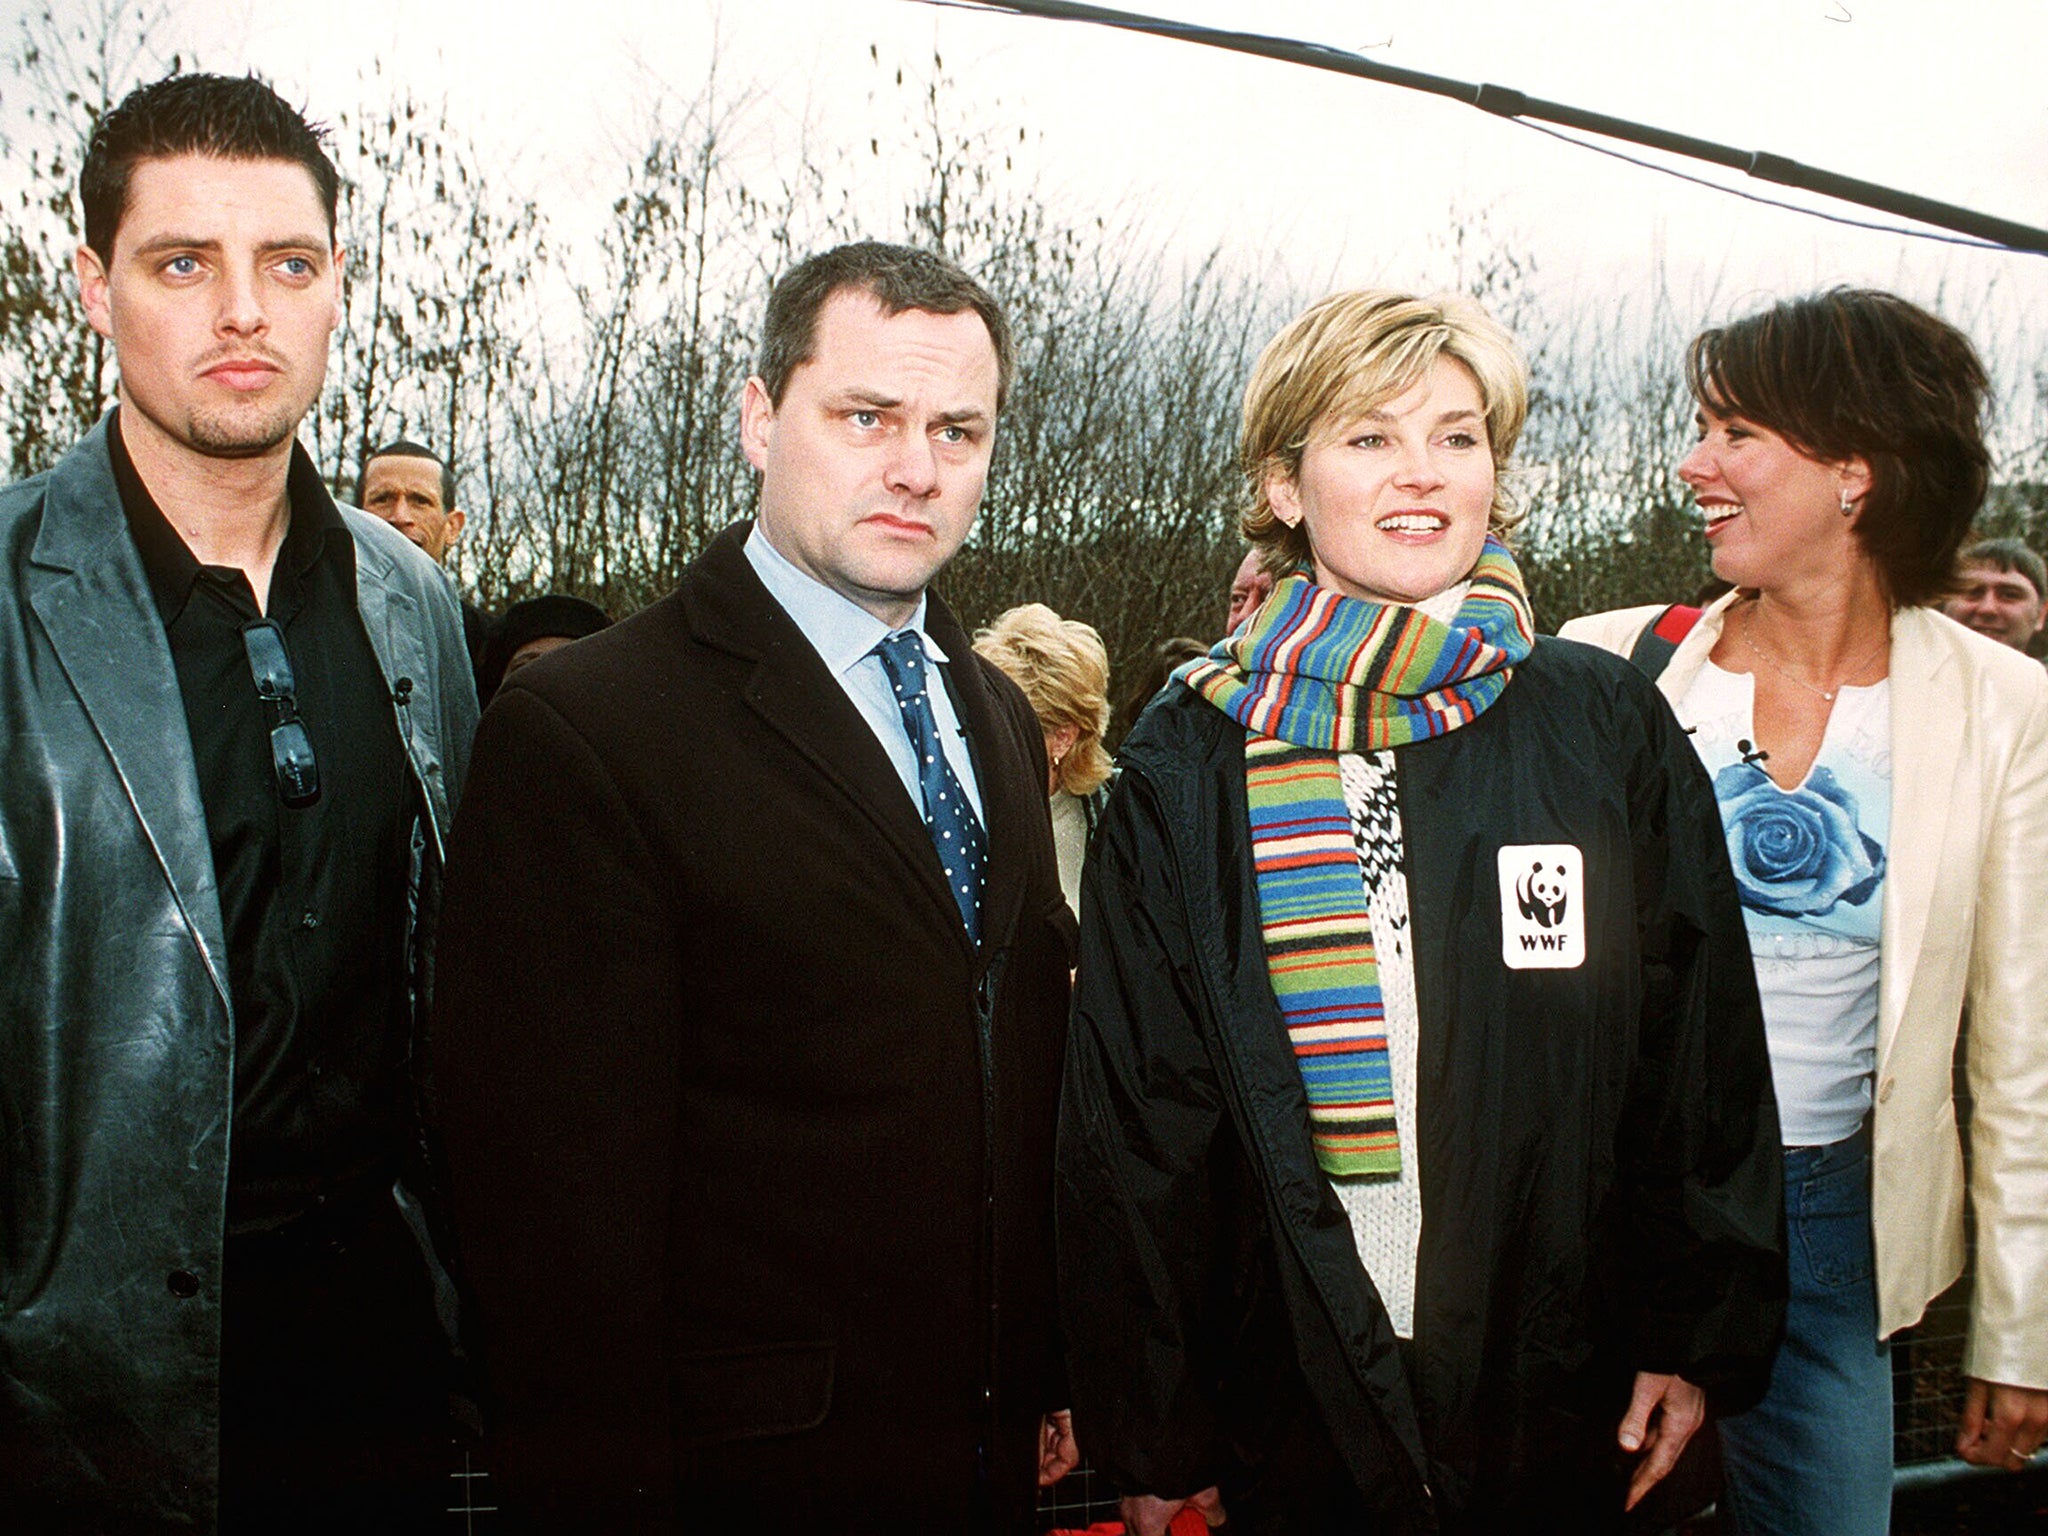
[1335, 178]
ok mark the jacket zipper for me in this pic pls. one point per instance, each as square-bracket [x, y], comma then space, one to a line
[1415, 979]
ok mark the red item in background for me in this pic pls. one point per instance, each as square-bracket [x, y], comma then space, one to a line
[1188, 1522]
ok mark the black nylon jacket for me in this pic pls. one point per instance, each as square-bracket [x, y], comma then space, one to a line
[116, 1039]
[1598, 1146]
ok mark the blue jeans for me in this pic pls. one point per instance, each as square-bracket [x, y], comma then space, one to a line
[1814, 1458]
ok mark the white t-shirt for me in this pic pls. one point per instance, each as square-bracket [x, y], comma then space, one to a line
[1809, 866]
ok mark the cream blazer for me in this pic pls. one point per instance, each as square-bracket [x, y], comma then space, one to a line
[1965, 921]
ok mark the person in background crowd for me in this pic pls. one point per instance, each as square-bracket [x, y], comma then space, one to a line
[1417, 1165]
[237, 719]
[535, 627]
[755, 983]
[412, 488]
[2001, 590]
[1249, 586]
[1064, 671]
[1166, 655]
[1883, 774]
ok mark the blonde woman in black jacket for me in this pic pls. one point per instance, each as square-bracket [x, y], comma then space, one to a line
[1418, 1166]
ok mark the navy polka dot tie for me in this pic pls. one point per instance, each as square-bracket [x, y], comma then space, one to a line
[956, 833]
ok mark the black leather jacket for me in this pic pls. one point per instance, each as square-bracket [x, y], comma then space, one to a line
[116, 1036]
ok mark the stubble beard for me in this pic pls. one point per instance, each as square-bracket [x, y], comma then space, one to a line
[232, 430]
[230, 435]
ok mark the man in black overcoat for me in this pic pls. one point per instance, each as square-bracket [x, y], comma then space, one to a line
[753, 984]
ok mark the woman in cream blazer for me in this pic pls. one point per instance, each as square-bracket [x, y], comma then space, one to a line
[1840, 461]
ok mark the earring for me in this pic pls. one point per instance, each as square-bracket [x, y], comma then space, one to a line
[1848, 502]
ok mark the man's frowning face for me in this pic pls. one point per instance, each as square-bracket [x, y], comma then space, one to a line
[872, 463]
[223, 289]
[408, 492]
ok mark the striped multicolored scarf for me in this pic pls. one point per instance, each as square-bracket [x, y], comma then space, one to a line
[1313, 674]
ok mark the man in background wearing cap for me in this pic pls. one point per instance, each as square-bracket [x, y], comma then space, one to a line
[533, 628]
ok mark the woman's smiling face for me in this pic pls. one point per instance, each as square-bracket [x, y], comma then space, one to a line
[1395, 501]
[1772, 512]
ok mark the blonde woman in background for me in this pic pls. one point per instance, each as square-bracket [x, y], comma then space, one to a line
[1064, 671]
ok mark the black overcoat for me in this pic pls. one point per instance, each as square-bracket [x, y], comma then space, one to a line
[1597, 1145]
[750, 1147]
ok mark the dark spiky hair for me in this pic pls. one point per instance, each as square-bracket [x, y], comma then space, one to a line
[213, 115]
[898, 278]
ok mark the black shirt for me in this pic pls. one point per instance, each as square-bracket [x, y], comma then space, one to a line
[313, 900]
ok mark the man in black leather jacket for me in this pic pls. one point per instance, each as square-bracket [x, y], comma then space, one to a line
[237, 719]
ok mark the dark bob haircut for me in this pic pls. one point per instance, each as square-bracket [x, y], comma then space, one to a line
[897, 277]
[1857, 373]
[213, 115]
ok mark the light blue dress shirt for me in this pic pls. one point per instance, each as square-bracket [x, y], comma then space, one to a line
[845, 635]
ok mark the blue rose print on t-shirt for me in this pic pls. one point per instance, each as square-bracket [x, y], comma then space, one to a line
[1797, 853]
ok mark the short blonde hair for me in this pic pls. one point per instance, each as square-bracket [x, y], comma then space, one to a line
[1063, 668]
[1350, 353]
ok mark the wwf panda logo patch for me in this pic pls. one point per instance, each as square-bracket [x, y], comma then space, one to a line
[1540, 895]
[1542, 906]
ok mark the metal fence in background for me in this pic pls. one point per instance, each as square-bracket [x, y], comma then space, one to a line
[1077, 1501]
[472, 1507]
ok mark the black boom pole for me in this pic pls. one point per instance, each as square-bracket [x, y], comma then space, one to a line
[1504, 101]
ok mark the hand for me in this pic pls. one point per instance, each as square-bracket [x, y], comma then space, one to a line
[1680, 1408]
[2002, 1425]
[1147, 1516]
[1057, 1453]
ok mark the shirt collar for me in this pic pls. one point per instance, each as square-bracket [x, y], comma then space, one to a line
[168, 560]
[842, 632]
